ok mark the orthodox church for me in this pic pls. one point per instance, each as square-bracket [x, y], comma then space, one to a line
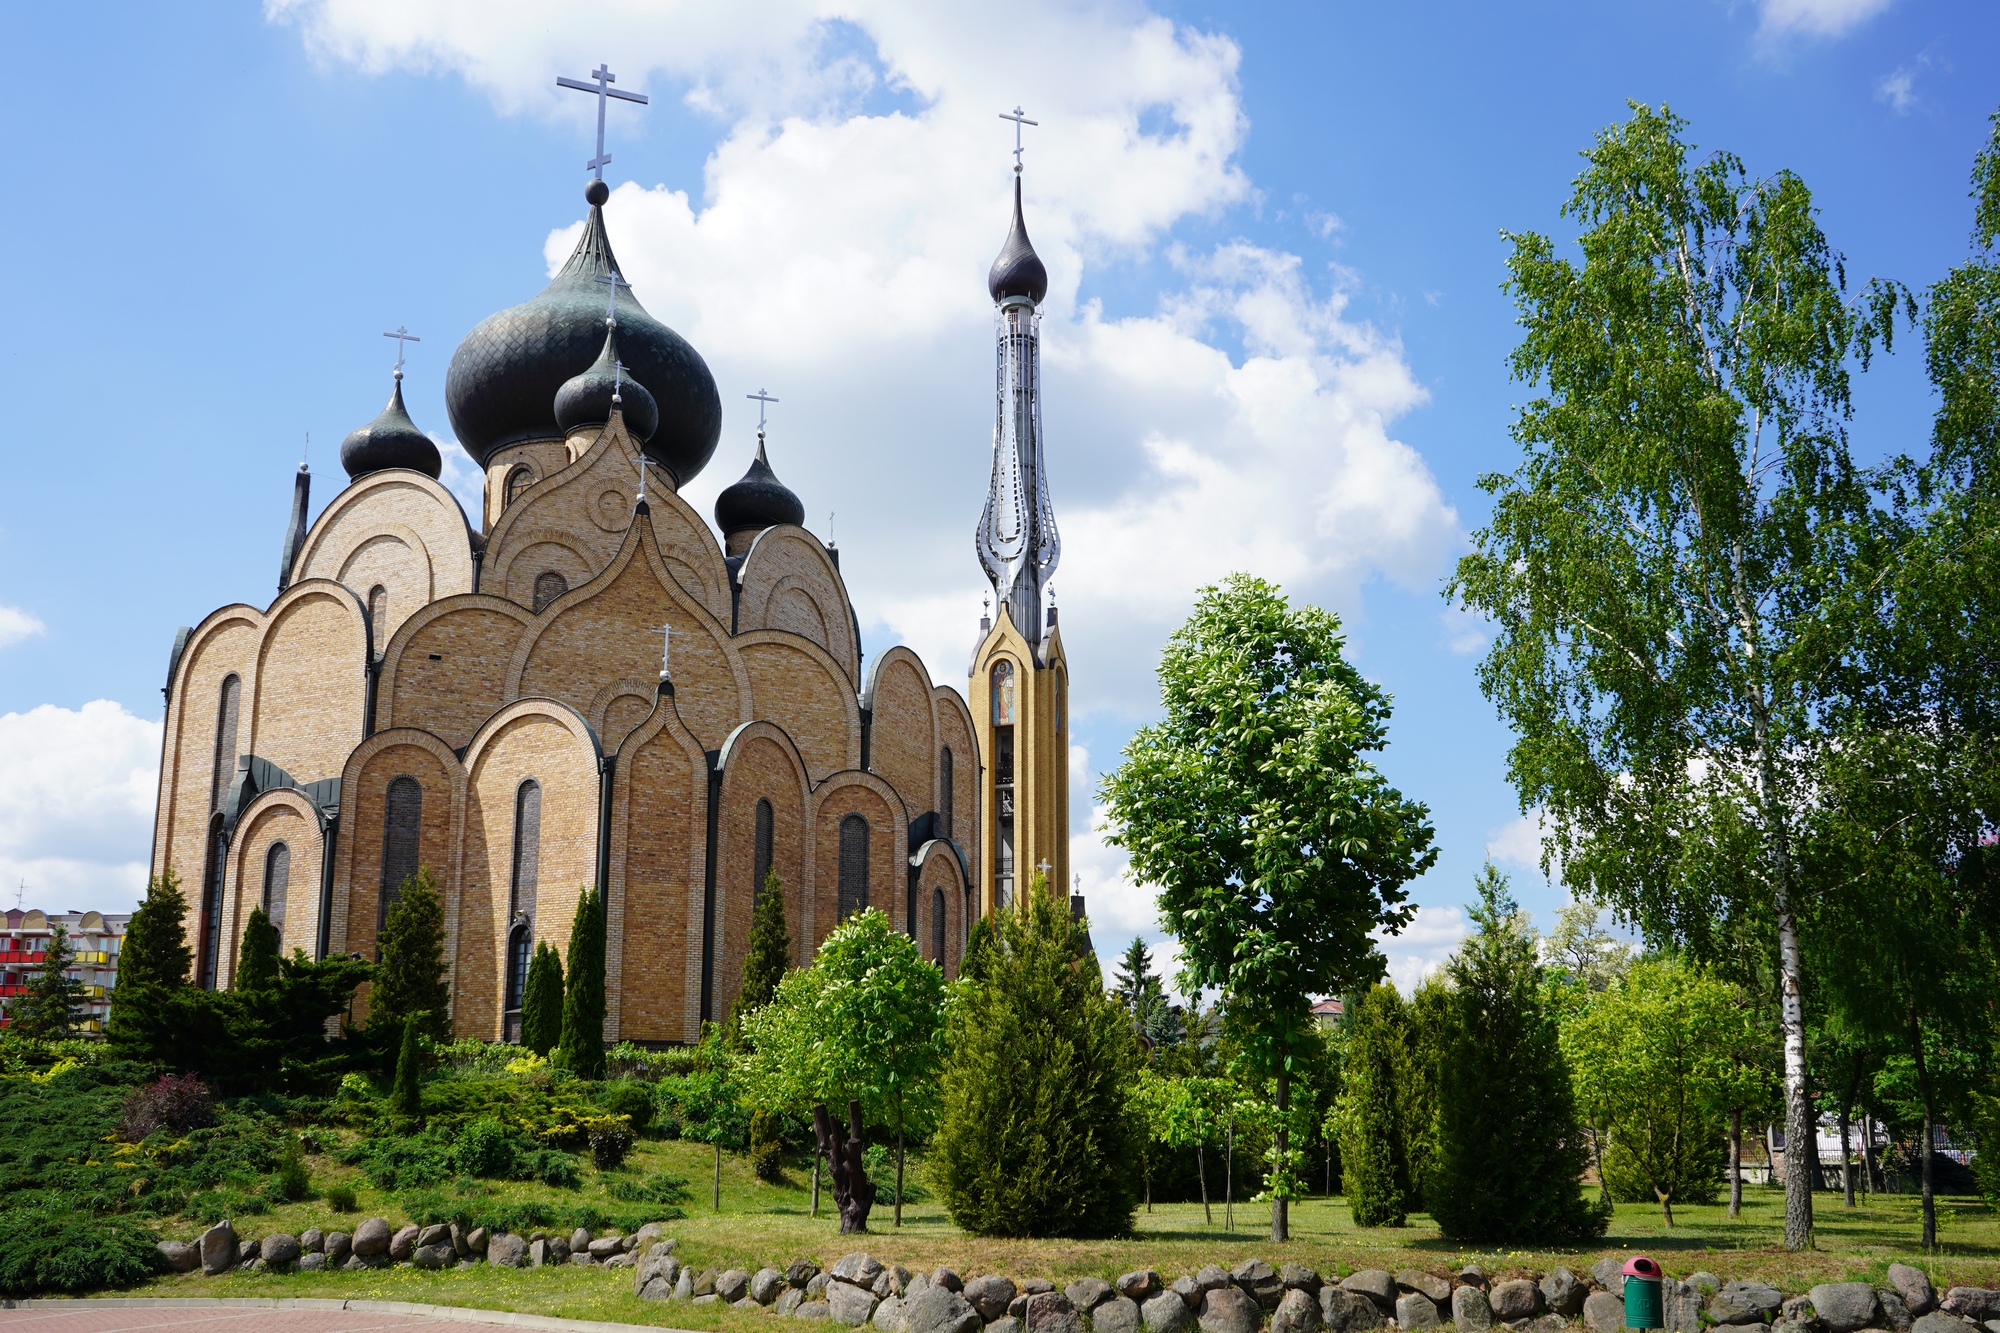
[589, 685]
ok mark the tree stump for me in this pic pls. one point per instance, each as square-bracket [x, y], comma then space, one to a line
[843, 1147]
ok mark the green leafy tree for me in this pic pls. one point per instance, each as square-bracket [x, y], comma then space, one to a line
[1181, 1112]
[257, 958]
[710, 1101]
[582, 1048]
[1660, 567]
[48, 1008]
[1510, 1151]
[406, 1098]
[542, 1001]
[770, 954]
[1583, 952]
[1278, 847]
[1369, 1119]
[410, 978]
[1038, 1134]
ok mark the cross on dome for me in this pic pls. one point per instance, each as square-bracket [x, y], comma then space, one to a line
[763, 400]
[614, 280]
[602, 79]
[666, 648]
[1019, 120]
[403, 337]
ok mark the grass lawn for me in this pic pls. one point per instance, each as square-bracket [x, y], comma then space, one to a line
[762, 1223]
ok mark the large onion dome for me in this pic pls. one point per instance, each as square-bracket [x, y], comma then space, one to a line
[587, 399]
[390, 440]
[758, 501]
[504, 378]
[1018, 271]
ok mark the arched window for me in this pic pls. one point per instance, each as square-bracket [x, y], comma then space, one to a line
[402, 822]
[944, 791]
[761, 860]
[211, 903]
[520, 479]
[853, 865]
[228, 710]
[277, 879]
[518, 944]
[549, 585]
[1003, 694]
[527, 849]
[937, 926]
[378, 616]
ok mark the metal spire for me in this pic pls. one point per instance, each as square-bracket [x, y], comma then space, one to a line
[403, 337]
[1019, 120]
[602, 78]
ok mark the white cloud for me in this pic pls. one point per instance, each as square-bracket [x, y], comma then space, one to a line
[17, 625]
[1820, 18]
[1898, 89]
[1518, 842]
[836, 250]
[1424, 946]
[76, 805]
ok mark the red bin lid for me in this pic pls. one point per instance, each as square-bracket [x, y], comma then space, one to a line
[1641, 1267]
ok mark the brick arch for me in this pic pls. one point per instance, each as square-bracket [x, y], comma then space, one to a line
[417, 509]
[796, 679]
[280, 815]
[473, 636]
[357, 871]
[620, 708]
[788, 559]
[902, 728]
[865, 794]
[937, 870]
[306, 708]
[659, 823]
[759, 762]
[955, 729]
[224, 644]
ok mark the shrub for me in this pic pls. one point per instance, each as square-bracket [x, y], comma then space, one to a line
[341, 1198]
[291, 1182]
[212, 1206]
[541, 1002]
[53, 1247]
[487, 1148]
[631, 1099]
[767, 1147]
[176, 1102]
[1374, 1167]
[407, 1099]
[657, 1188]
[609, 1146]
[581, 1050]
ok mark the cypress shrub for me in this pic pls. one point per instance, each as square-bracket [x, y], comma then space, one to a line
[1039, 1135]
[582, 1048]
[406, 1099]
[257, 960]
[542, 1001]
[155, 951]
[1374, 1164]
[1510, 1149]
[410, 978]
[1426, 1022]
[770, 950]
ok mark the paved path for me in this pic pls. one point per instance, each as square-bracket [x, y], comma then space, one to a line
[255, 1315]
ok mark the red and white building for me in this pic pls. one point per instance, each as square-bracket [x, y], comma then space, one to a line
[94, 937]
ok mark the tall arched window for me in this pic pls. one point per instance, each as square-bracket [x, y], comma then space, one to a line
[944, 791]
[518, 943]
[378, 616]
[937, 926]
[853, 865]
[520, 479]
[761, 860]
[227, 712]
[527, 849]
[402, 823]
[277, 879]
[549, 585]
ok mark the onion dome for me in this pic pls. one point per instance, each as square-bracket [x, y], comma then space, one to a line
[1018, 271]
[587, 399]
[390, 440]
[504, 378]
[758, 501]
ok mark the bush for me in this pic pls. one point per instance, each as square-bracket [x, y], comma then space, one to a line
[291, 1182]
[631, 1099]
[657, 1188]
[341, 1198]
[176, 1102]
[53, 1247]
[767, 1147]
[219, 1205]
[609, 1146]
[1374, 1164]
[488, 1148]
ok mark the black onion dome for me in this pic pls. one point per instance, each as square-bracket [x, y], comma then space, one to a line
[758, 501]
[390, 440]
[585, 400]
[1018, 271]
[504, 378]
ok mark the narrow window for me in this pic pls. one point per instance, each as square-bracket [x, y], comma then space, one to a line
[520, 479]
[1003, 816]
[378, 616]
[944, 792]
[517, 978]
[211, 904]
[527, 849]
[853, 865]
[549, 585]
[402, 821]
[761, 860]
[1003, 694]
[937, 926]
[277, 879]
[228, 710]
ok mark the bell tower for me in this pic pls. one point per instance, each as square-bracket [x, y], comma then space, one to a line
[1019, 688]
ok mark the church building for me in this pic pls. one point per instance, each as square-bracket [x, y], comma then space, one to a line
[586, 684]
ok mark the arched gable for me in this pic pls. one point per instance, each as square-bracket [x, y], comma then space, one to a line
[311, 688]
[938, 875]
[857, 793]
[280, 815]
[902, 728]
[799, 683]
[397, 529]
[956, 732]
[359, 848]
[759, 763]
[447, 667]
[788, 582]
[223, 645]
[620, 707]
[653, 900]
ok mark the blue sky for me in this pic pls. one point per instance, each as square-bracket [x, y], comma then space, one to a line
[1276, 338]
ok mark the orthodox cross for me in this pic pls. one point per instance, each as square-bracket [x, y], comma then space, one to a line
[403, 337]
[602, 78]
[617, 397]
[614, 280]
[763, 401]
[666, 648]
[1014, 115]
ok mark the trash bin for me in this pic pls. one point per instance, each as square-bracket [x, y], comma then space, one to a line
[1642, 1294]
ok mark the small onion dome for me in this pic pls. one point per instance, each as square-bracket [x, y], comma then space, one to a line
[390, 440]
[758, 501]
[586, 399]
[1018, 271]
[504, 377]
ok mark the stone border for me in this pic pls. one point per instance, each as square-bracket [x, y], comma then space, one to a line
[455, 1313]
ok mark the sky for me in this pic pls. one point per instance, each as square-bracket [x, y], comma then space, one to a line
[1276, 338]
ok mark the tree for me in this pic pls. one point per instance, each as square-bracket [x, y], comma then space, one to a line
[1144, 996]
[709, 1100]
[1660, 566]
[770, 949]
[1369, 1118]
[1183, 1111]
[1426, 1034]
[1582, 951]
[410, 978]
[1037, 1135]
[582, 1048]
[257, 959]
[1277, 846]
[406, 1099]
[155, 950]
[1510, 1154]
[48, 1007]
[542, 1001]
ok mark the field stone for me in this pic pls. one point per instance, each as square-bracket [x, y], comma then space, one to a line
[1006, 1324]
[1167, 1312]
[765, 1284]
[789, 1300]
[732, 1285]
[1895, 1314]
[461, 1240]
[1297, 1312]
[1939, 1322]
[1188, 1290]
[1343, 1311]
[939, 1309]
[1260, 1280]
[604, 1247]
[1416, 1310]
[1297, 1277]
[1138, 1285]
[506, 1251]
[312, 1241]
[1547, 1323]
[279, 1248]
[403, 1244]
[339, 1245]
[1429, 1284]
[1705, 1280]
[1562, 1293]
[1795, 1310]
[1978, 1304]
[858, 1268]
[655, 1288]
[710, 1299]
[848, 1304]
[247, 1251]
[181, 1256]
[434, 1256]
[1515, 1298]
[889, 1315]
[1744, 1302]
[946, 1278]
[312, 1263]
[704, 1282]
[1374, 1283]
[1791, 1326]
[801, 1271]
[816, 1286]
[1472, 1275]
[1610, 1275]
[1470, 1310]
[538, 1252]
[1603, 1312]
[1051, 1312]
[1914, 1286]
[1229, 1310]
[990, 1295]
[1117, 1314]
[1035, 1286]
[218, 1249]
[1087, 1293]
[582, 1259]
[372, 1237]
[435, 1234]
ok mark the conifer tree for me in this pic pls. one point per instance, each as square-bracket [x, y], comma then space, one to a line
[155, 950]
[542, 1001]
[410, 979]
[407, 1099]
[1039, 1134]
[1510, 1149]
[257, 960]
[770, 950]
[1427, 1022]
[47, 1009]
[1369, 1117]
[582, 1048]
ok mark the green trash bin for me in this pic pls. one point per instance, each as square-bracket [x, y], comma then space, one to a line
[1642, 1294]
